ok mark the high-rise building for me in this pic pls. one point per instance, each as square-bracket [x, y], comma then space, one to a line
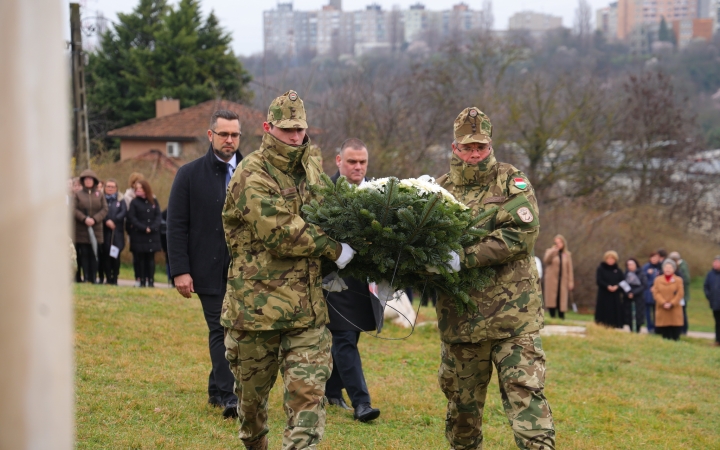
[606, 20]
[634, 14]
[334, 31]
[534, 21]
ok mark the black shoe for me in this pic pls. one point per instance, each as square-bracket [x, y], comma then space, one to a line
[151, 282]
[339, 402]
[365, 413]
[215, 402]
[230, 409]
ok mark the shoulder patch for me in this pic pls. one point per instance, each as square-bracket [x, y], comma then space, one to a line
[520, 183]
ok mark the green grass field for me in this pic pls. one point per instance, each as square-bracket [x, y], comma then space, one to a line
[142, 366]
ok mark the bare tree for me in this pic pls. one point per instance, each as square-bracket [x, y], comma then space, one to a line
[583, 21]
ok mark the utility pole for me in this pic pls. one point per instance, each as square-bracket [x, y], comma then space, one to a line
[80, 124]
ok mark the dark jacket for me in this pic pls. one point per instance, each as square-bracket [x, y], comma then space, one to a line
[655, 270]
[608, 308]
[354, 308]
[712, 289]
[637, 290]
[195, 236]
[89, 203]
[116, 212]
[144, 214]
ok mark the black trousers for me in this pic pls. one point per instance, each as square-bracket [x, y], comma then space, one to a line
[553, 311]
[347, 369]
[221, 382]
[685, 319]
[87, 262]
[109, 267]
[144, 265]
[669, 332]
[716, 314]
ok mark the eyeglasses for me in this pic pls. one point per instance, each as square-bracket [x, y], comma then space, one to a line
[472, 149]
[223, 135]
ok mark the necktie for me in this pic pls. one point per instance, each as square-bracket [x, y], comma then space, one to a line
[228, 175]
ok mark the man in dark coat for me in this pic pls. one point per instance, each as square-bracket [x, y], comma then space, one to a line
[352, 310]
[113, 232]
[199, 257]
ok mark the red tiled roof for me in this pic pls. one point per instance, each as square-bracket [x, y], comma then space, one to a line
[190, 123]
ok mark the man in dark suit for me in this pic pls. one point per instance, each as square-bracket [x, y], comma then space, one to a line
[198, 254]
[352, 310]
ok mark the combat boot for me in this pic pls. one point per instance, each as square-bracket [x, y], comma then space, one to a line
[260, 443]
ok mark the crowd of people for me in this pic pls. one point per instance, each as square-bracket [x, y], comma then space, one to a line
[102, 218]
[655, 294]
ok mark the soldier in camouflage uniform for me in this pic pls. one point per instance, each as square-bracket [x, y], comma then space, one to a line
[505, 330]
[274, 312]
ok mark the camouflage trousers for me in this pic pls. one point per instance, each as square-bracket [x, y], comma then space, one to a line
[303, 358]
[464, 375]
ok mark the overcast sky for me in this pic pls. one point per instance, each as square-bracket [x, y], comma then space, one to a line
[243, 18]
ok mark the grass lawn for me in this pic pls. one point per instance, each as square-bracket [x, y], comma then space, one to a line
[700, 315]
[142, 365]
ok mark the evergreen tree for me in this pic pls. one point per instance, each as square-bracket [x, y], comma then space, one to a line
[664, 33]
[158, 51]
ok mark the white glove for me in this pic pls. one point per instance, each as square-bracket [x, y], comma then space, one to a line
[345, 257]
[454, 264]
[333, 283]
[384, 291]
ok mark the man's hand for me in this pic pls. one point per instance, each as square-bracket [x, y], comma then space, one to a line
[612, 288]
[454, 264]
[147, 230]
[333, 283]
[184, 285]
[89, 221]
[571, 286]
[345, 256]
[630, 295]
[110, 224]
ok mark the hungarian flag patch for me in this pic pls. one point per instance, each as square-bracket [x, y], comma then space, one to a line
[520, 183]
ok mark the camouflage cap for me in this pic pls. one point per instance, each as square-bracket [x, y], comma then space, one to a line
[472, 125]
[287, 111]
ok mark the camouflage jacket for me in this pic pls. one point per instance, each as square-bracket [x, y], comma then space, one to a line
[512, 304]
[274, 279]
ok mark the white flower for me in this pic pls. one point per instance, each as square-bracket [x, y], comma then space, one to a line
[378, 184]
[426, 185]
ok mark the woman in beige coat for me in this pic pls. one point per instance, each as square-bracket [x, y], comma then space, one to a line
[558, 277]
[668, 293]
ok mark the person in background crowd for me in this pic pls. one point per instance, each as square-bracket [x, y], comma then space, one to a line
[712, 293]
[683, 271]
[128, 197]
[352, 310]
[651, 270]
[113, 233]
[635, 299]
[558, 279]
[101, 186]
[668, 292]
[90, 210]
[76, 186]
[199, 256]
[609, 308]
[144, 215]
[129, 194]
[663, 254]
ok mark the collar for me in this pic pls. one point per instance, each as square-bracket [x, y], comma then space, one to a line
[285, 157]
[462, 173]
[232, 162]
[111, 198]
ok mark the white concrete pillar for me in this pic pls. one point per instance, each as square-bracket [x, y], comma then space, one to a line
[36, 322]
